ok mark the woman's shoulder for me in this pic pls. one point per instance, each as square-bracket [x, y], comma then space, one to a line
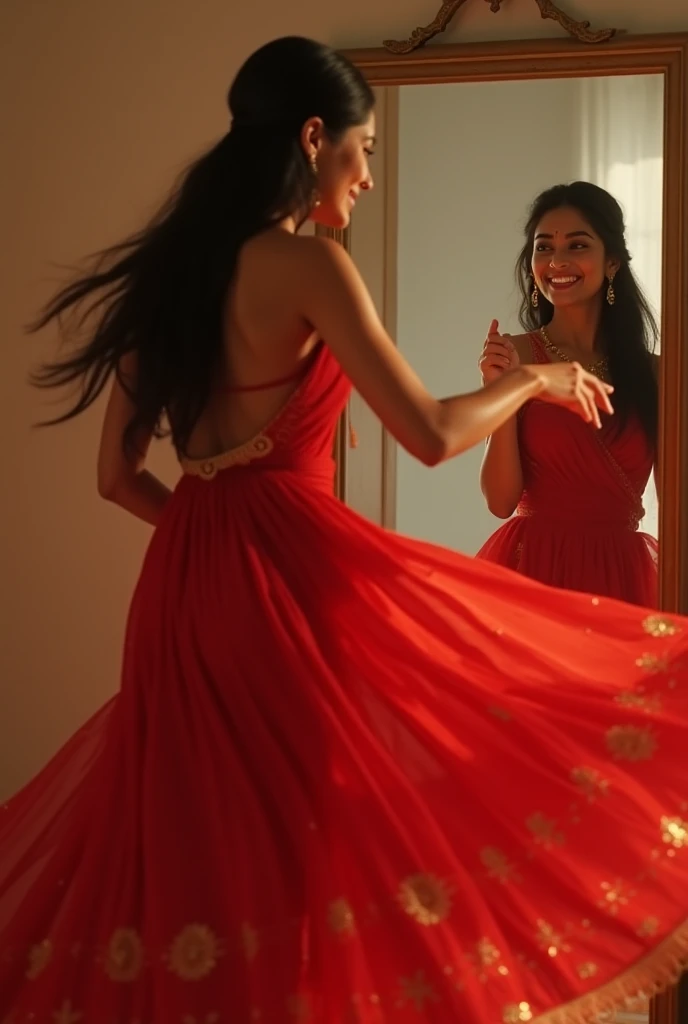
[280, 242]
[283, 256]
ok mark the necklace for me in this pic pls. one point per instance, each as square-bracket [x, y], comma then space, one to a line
[600, 368]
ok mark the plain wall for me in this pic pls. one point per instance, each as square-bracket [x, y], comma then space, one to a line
[466, 178]
[101, 106]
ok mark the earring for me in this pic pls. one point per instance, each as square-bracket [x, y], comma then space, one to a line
[315, 199]
[611, 295]
[534, 297]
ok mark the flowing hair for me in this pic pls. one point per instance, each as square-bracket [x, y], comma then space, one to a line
[160, 294]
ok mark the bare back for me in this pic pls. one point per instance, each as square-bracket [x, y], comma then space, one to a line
[266, 345]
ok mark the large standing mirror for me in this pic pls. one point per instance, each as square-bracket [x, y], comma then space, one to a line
[457, 243]
[468, 136]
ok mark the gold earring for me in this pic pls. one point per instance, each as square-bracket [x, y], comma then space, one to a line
[534, 297]
[611, 295]
[315, 200]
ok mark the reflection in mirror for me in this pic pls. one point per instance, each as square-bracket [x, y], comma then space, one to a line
[470, 160]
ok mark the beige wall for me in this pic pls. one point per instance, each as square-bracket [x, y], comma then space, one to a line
[101, 105]
[465, 182]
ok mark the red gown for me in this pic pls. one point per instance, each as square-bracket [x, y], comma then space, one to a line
[576, 525]
[351, 777]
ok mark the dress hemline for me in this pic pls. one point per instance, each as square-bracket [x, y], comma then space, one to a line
[652, 975]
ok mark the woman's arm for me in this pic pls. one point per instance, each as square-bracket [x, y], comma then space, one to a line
[123, 479]
[501, 474]
[334, 300]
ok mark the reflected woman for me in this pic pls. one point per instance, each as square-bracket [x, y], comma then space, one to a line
[577, 490]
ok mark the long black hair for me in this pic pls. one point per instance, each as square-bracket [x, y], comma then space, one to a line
[628, 326]
[160, 293]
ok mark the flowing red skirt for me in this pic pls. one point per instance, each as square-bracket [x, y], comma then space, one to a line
[579, 554]
[353, 777]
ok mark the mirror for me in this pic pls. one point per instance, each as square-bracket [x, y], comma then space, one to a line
[468, 137]
[468, 167]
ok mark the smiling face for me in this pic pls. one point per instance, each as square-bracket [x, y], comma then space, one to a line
[342, 169]
[569, 262]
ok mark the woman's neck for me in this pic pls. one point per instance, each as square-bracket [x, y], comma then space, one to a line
[576, 328]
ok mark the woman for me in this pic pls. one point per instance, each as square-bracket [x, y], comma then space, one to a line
[577, 493]
[289, 811]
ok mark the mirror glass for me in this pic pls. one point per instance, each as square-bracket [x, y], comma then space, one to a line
[461, 165]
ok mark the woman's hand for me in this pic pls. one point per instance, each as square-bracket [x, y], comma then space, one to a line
[569, 385]
[498, 355]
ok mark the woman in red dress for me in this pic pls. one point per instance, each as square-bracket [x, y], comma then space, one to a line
[348, 776]
[577, 492]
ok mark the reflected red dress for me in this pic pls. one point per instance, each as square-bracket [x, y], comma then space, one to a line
[576, 525]
[351, 777]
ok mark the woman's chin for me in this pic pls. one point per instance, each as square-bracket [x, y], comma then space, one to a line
[568, 297]
[331, 217]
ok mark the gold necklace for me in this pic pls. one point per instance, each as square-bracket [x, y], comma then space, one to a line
[600, 368]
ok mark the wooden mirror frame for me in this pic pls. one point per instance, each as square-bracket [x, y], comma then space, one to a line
[568, 58]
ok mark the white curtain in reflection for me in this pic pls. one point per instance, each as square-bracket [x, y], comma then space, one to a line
[622, 146]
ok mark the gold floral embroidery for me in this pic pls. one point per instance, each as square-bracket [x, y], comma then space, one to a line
[616, 895]
[487, 953]
[550, 939]
[194, 953]
[641, 701]
[426, 898]
[498, 865]
[517, 1013]
[674, 832]
[486, 957]
[544, 830]
[67, 1014]
[249, 941]
[341, 918]
[417, 990]
[631, 742]
[648, 927]
[653, 662]
[124, 955]
[590, 782]
[587, 970]
[660, 626]
[39, 958]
